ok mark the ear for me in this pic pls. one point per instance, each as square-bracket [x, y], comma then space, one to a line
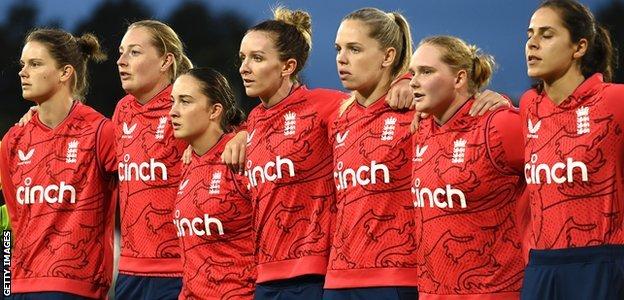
[167, 62]
[67, 72]
[389, 57]
[289, 67]
[461, 79]
[216, 110]
[581, 49]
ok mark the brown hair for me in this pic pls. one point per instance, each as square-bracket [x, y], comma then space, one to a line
[459, 55]
[167, 41]
[69, 50]
[292, 32]
[218, 90]
[600, 57]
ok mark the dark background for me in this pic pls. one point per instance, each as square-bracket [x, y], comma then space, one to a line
[212, 30]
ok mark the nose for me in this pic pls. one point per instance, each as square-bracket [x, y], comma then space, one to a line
[244, 67]
[533, 42]
[414, 83]
[173, 112]
[22, 73]
[122, 61]
[341, 57]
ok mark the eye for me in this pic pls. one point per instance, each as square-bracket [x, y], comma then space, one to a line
[355, 50]
[257, 58]
[134, 52]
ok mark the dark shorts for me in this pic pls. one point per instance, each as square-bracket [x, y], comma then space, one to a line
[143, 287]
[308, 287]
[381, 293]
[576, 273]
[46, 296]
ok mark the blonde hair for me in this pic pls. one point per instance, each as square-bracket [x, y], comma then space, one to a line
[459, 55]
[167, 41]
[390, 30]
[292, 32]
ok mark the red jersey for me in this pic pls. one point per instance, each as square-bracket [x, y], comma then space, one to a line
[213, 219]
[373, 243]
[289, 171]
[149, 169]
[466, 182]
[58, 186]
[574, 166]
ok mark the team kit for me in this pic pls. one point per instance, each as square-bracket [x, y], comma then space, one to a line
[416, 183]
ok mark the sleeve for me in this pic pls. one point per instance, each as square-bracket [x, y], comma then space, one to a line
[106, 147]
[8, 190]
[504, 141]
[407, 76]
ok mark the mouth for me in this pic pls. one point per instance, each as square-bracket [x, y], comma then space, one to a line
[418, 97]
[124, 75]
[532, 59]
[343, 74]
[176, 125]
[247, 82]
[25, 85]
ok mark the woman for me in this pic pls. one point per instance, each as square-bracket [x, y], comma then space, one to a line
[373, 247]
[57, 172]
[573, 166]
[212, 211]
[287, 162]
[150, 58]
[466, 178]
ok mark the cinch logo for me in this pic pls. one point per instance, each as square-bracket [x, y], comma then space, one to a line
[533, 129]
[25, 158]
[51, 194]
[290, 123]
[182, 186]
[144, 171]
[160, 130]
[364, 175]
[250, 137]
[72, 152]
[189, 227]
[127, 131]
[341, 138]
[432, 197]
[387, 134]
[559, 172]
[582, 120]
[271, 171]
[420, 151]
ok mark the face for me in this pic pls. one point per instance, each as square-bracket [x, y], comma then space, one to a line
[433, 83]
[549, 49]
[359, 57]
[40, 76]
[190, 113]
[140, 64]
[261, 68]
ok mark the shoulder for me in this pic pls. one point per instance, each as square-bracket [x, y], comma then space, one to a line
[327, 94]
[527, 97]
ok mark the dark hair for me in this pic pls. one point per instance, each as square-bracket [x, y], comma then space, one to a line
[69, 50]
[218, 90]
[600, 57]
[293, 35]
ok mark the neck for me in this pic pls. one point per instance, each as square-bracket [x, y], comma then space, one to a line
[446, 114]
[366, 97]
[207, 140]
[282, 92]
[147, 95]
[54, 110]
[561, 88]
